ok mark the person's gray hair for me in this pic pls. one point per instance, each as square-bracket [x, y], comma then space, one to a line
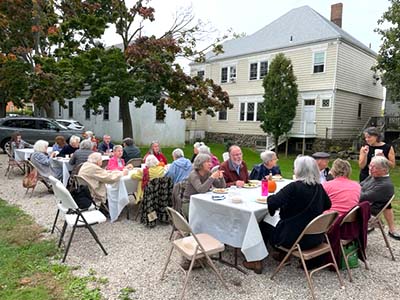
[306, 170]
[197, 145]
[204, 149]
[267, 156]
[151, 161]
[381, 162]
[106, 136]
[233, 147]
[341, 168]
[128, 141]
[200, 159]
[374, 132]
[94, 158]
[151, 147]
[117, 147]
[178, 153]
[41, 146]
[89, 133]
[74, 139]
[86, 144]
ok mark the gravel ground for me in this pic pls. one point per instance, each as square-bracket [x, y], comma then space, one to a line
[137, 255]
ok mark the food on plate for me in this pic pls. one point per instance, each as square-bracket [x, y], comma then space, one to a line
[220, 191]
[262, 200]
[250, 185]
[236, 199]
[277, 177]
[255, 181]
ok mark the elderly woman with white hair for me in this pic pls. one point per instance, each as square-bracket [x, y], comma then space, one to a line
[196, 147]
[180, 168]
[267, 167]
[201, 180]
[42, 162]
[298, 203]
[97, 177]
[153, 169]
[206, 150]
[71, 147]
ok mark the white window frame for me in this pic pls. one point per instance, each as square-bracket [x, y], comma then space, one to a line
[223, 120]
[246, 102]
[258, 75]
[313, 60]
[204, 73]
[322, 98]
[229, 74]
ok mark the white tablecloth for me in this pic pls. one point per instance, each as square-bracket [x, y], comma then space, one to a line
[25, 153]
[233, 224]
[61, 162]
[118, 194]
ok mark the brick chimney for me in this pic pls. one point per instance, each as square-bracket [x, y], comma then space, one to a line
[336, 14]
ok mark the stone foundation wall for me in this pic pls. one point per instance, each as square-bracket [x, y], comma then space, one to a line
[243, 140]
[336, 145]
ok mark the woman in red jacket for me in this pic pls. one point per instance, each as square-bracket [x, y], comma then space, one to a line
[156, 151]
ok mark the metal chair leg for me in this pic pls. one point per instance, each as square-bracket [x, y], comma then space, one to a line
[167, 262]
[55, 221]
[69, 243]
[96, 237]
[62, 233]
[385, 238]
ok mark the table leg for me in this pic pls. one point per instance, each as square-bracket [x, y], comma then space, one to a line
[235, 264]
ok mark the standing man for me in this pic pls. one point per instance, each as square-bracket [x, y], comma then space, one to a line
[130, 150]
[322, 159]
[235, 169]
[377, 189]
[106, 146]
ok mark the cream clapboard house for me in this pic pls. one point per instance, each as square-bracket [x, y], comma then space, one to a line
[338, 92]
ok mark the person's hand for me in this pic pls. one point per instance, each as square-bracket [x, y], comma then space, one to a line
[125, 172]
[365, 149]
[129, 167]
[217, 174]
[268, 177]
[240, 183]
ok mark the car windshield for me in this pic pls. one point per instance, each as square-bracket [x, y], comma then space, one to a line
[61, 125]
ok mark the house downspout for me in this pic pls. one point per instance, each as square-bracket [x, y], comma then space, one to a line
[334, 85]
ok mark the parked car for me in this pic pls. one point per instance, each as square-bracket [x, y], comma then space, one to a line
[33, 129]
[71, 124]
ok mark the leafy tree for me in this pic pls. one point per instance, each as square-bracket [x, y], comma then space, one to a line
[280, 98]
[143, 68]
[388, 60]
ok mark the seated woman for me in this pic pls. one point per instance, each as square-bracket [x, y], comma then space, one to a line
[116, 162]
[153, 169]
[201, 180]
[343, 192]
[18, 143]
[71, 147]
[267, 167]
[206, 150]
[196, 147]
[299, 202]
[59, 143]
[156, 151]
[97, 177]
[42, 162]
[180, 168]
[81, 155]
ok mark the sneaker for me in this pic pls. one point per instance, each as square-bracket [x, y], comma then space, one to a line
[394, 235]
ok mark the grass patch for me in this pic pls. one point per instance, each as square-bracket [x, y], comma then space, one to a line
[26, 270]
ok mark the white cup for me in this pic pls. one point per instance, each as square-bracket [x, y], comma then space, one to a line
[66, 155]
[378, 151]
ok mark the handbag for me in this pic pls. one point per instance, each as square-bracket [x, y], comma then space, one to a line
[352, 259]
[82, 197]
[30, 180]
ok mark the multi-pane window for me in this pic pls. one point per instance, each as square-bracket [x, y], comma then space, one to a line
[201, 74]
[249, 111]
[359, 110]
[319, 62]
[70, 109]
[87, 113]
[59, 110]
[228, 73]
[258, 70]
[326, 103]
[106, 111]
[193, 116]
[222, 115]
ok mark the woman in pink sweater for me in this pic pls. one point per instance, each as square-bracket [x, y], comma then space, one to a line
[343, 192]
[116, 162]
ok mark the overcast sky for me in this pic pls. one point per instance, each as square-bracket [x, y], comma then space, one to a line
[359, 16]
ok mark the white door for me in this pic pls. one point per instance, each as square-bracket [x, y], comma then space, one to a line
[309, 116]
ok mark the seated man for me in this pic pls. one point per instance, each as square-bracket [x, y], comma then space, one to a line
[235, 169]
[106, 147]
[267, 167]
[130, 150]
[377, 189]
[322, 159]
[97, 177]
[180, 168]
[81, 155]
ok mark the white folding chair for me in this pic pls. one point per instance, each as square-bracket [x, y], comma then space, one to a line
[225, 156]
[192, 247]
[74, 217]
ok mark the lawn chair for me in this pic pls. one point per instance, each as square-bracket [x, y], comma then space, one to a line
[135, 162]
[319, 225]
[192, 247]
[352, 217]
[377, 221]
[75, 218]
[12, 163]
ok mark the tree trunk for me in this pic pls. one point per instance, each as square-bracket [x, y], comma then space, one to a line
[287, 147]
[127, 130]
[3, 106]
[49, 110]
[276, 141]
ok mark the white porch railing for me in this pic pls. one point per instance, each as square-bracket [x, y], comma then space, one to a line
[303, 129]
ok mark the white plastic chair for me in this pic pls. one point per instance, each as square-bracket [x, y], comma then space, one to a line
[74, 217]
[192, 247]
[225, 156]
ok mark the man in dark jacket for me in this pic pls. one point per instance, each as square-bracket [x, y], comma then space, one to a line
[130, 150]
[322, 159]
[235, 169]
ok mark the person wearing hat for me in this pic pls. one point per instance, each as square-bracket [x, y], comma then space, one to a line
[322, 159]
